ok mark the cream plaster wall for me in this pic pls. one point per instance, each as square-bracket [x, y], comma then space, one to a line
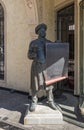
[20, 20]
[46, 15]
[21, 17]
[77, 48]
[48, 18]
[62, 2]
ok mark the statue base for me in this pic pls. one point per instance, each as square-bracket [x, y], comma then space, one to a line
[43, 115]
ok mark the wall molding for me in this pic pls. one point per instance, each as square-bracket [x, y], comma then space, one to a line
[29, 3]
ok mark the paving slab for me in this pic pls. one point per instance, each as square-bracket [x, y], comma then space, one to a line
[14, 105]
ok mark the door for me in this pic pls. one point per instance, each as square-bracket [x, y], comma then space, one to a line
[65, 33]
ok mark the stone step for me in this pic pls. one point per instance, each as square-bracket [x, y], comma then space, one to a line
[43, 115]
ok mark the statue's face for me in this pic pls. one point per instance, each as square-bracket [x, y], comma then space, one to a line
[42, 32]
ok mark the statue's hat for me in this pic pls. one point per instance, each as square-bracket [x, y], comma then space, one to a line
[38, 27]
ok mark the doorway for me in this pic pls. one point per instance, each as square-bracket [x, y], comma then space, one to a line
[65, 33]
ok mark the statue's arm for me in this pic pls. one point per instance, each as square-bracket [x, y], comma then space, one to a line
[31, 52]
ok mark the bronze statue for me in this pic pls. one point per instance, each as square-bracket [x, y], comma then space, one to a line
[37, 53]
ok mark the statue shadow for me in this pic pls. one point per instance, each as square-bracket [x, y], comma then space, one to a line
[69, 105]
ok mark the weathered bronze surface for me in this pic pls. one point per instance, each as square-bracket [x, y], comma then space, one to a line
[46, 60]
[56, 62]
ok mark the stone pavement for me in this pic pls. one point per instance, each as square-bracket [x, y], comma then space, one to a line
[13, 126]
[14, 105]
[10, 126]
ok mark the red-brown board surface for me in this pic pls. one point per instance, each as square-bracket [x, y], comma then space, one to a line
[57, 55]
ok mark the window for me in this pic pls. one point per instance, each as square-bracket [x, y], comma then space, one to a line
[1, 43]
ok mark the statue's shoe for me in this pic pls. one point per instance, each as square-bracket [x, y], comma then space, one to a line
[52, 105]
[32, 107]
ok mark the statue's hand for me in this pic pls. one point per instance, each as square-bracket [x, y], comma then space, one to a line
[41, 87]
[32, 56]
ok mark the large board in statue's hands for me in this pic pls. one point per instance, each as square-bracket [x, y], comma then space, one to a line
[57, 55]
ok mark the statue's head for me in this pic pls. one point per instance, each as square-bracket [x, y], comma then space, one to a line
[41, 30]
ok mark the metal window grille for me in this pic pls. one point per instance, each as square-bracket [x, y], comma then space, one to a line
[1, 43]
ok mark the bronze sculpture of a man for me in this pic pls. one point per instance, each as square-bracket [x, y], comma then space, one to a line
[37, 53]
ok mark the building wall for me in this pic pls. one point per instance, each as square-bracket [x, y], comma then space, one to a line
[19, 31]
[62, 2]
[46, 15]
[77, 48]
[48, 18]
[21, 17]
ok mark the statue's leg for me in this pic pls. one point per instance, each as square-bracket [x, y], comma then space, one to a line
[34, 87]
[33, 103]
[81, 105]
[50, 97]
[34, 95]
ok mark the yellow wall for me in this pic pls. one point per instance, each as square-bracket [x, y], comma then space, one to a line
[46, 15]
[62, 2]
[19, 30]
[48, 18]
